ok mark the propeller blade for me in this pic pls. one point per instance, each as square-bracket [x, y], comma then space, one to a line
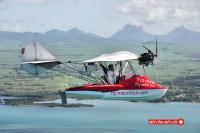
[156, 66]
[156, 47]
[147, 48]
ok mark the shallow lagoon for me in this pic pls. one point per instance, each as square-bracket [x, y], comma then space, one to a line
[105, 117]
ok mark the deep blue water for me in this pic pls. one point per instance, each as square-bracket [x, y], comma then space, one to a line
[105, 117]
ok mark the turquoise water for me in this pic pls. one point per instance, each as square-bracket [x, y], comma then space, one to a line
[105, 117]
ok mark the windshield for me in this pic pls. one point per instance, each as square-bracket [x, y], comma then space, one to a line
[120, 70]
[128, 70]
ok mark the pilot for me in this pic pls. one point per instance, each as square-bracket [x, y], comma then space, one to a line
[111, 74]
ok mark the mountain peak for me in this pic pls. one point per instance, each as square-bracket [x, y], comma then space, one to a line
[132, 27]
[75, 30]
[54, 31]
[181, 28]
[127, 26]
[132, 32]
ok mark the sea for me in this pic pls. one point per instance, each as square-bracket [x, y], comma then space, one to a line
[106, 117]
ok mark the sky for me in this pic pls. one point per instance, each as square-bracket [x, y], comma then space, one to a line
[101, 17]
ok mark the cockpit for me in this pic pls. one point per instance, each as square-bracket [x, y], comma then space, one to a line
[121, 70]
[121, 67]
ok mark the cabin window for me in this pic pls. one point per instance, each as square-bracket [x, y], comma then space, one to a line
[128, 70]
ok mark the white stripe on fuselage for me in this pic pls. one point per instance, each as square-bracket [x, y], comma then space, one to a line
[125, 94]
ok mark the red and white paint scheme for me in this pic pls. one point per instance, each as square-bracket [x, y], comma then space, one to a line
[135, 87]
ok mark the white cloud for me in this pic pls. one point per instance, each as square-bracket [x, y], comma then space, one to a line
[171, 13]
[32, 1]
[20, 25]
[72, 1]
[2, 4]
[45, 1]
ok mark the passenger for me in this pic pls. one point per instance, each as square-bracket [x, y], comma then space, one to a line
[111, 74]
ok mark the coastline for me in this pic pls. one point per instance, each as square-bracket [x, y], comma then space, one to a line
[35, 101]
[55, 101]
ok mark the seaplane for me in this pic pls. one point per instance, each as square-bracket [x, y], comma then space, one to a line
[110, 76]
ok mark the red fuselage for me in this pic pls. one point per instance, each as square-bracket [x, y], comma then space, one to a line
[133, 83]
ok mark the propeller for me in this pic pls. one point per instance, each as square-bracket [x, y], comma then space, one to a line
[156, 56]
[148, 58]
[156, 47]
